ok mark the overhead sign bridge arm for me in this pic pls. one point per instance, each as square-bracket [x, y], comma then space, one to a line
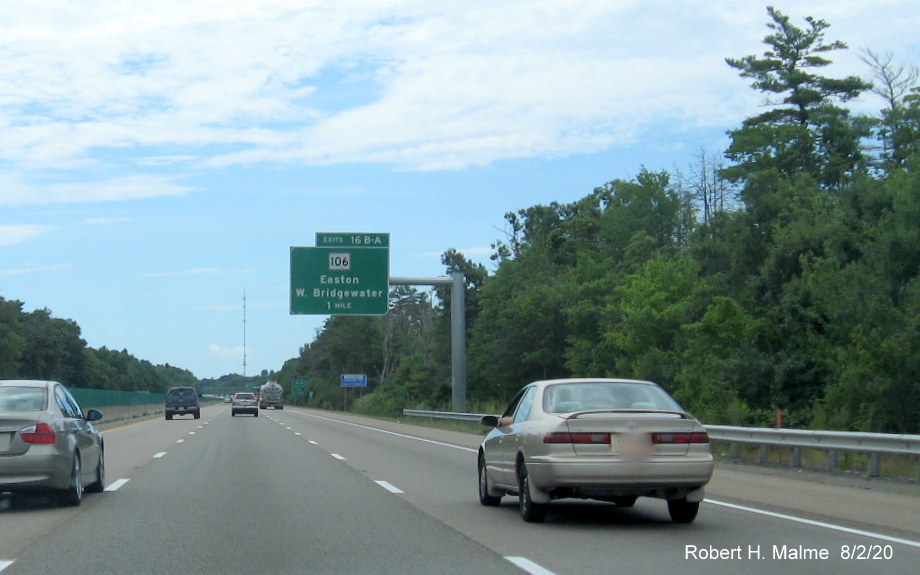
[457, 283]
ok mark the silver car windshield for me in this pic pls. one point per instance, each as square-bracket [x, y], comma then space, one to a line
[21, 399]
[588, 396]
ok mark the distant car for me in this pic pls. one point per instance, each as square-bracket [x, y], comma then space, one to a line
[605, 439]
[47, 444]
[244, 403]
[181, 401]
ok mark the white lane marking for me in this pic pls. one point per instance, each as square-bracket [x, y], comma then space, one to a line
[389, 487]
[441, 443]
[529, 566]
[191, 433]
[311, 442]
[116, 485]
[160, 455]
[817, 523]
[337, 456]
[297, 433]
[181, 441]
[5, 564]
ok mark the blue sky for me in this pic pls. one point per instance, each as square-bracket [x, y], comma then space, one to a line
[159, 161]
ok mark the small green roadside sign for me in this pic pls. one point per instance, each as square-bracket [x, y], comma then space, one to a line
[346, 274]
[299, 388]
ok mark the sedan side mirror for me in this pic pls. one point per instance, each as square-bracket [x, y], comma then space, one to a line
[490, 421]
[93, 415]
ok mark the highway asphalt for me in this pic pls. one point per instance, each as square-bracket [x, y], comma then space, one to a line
[298, 491]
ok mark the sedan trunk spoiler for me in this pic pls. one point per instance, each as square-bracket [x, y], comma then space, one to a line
[576, 415]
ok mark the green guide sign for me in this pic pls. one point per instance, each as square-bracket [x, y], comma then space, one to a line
[346, 274]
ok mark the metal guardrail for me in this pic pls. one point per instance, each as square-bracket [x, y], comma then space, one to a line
[873, 444]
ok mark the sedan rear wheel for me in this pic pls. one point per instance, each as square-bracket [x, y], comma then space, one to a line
[73, 495]
[530, 512]
[484, 497]
[683, 511]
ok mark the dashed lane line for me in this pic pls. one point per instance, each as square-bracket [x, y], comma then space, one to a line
[389, 487]
[116, 485]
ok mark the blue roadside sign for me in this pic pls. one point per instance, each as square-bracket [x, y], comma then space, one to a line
[354, 380]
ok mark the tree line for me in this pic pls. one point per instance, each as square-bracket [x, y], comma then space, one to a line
[36, 345]
[782, 275]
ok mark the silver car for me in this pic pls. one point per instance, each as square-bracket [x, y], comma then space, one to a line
[243, 402]
[605, 439]
[47, 444]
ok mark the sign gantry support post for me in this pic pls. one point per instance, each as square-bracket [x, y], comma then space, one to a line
[457, 283]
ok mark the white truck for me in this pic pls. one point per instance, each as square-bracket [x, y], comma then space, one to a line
[271, 394]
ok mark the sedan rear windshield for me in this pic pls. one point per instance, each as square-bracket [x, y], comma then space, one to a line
[245, 396]
[20, 399]
[570, 397]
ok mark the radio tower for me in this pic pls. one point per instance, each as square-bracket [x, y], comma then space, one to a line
[244, 333]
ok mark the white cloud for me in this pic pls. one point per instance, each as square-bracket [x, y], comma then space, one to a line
[416, 84]
[15, 190]
[219, 351]
[14, 234]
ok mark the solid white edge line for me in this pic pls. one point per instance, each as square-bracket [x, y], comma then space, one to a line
[529, 566]
[441, 443]
[389, 487]
[116, 485]
[817, 523]
[4, 564]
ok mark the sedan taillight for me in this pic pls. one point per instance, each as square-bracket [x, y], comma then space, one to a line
[584, 438]
[41, 433]
[694, 437]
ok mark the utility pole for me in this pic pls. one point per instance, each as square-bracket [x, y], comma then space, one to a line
[244, 333]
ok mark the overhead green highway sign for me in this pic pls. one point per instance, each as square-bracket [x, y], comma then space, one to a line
[348, 274]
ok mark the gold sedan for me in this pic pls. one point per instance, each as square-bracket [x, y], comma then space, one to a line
[605, 439]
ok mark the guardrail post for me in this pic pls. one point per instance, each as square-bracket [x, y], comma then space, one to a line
[764, 454]
[874, 465]
[797, 457]
[832, 460]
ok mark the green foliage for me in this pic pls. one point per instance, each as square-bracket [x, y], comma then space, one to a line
[37, 345]
[805, 130]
